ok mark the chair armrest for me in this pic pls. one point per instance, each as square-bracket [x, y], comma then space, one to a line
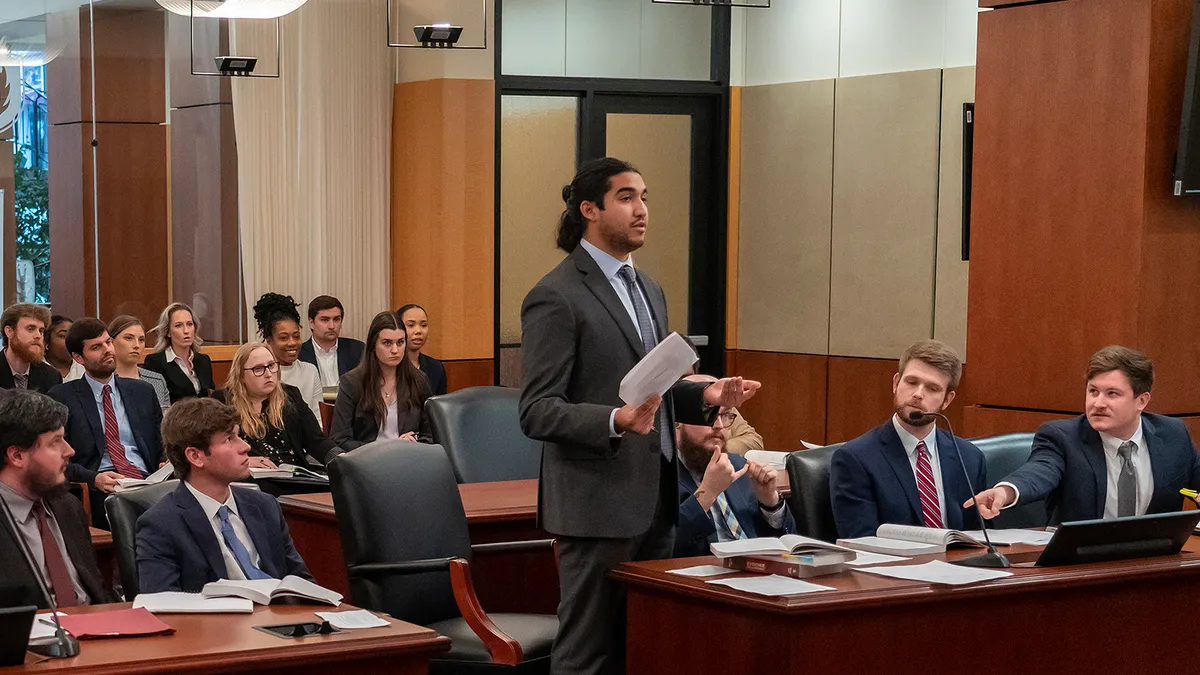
[85, 496]
[504, 649]
[406, 567]
[514, 546]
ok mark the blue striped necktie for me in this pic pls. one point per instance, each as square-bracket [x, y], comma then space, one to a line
[649, 341]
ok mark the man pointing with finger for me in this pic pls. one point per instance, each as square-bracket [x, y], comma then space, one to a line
[608, 486]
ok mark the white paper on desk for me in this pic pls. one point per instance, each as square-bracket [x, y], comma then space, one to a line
[937, 572]
[867, 558]
[702, 571]
[351, 619]
[43, 630]
[1009, 537]
[657, 371]
[772, 585]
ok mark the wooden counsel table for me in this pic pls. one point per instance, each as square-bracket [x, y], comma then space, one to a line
[1130, 616]
[503, 511]
[228, 643]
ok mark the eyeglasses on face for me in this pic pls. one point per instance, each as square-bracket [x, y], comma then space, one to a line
[259, 371]
[727, 418]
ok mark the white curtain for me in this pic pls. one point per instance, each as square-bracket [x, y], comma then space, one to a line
[314, 157]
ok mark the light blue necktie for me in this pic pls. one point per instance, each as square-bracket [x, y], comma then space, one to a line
[731, 522]
[649, 341]
[239, 550]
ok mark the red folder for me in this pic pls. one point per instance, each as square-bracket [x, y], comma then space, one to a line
[117, 623]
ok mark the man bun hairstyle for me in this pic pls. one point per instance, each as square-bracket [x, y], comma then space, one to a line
[272, 308]
[590, 184]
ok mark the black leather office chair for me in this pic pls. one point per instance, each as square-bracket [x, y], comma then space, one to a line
[808, 473]
[407, 551]
[124, 509]
[480, 429]
[1004, 454]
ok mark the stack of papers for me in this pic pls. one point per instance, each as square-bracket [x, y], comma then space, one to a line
[771, 585]
[352, 619]
[657, 371]
[702, 571]
[1008, 537]
[43, 626]
[865, 558]
[937, 572]
[174, 602]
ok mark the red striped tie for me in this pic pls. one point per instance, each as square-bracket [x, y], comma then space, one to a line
[930, 507]
[112, 439]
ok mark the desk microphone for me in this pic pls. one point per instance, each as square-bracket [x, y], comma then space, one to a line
[62, 645]
[992, 558]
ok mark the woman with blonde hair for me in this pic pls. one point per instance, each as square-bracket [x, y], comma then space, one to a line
[129, 343]
[177, 355]
[273, 417]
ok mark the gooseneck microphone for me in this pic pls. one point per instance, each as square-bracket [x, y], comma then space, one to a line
[62, 645]
[992, 558]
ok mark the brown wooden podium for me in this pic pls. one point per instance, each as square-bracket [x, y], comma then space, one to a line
[1120, 617]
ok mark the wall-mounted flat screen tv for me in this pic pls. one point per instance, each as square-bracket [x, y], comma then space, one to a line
[1187, 159]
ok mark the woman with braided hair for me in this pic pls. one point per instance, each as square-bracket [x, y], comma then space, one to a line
[279, 325]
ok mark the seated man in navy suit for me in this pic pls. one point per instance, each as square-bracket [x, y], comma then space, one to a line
[113, 421]
[207, 530]
[1113, 461]
[332, 354]
[722, 496]
[904, 472]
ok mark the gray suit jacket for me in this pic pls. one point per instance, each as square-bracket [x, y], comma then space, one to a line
[577, 343]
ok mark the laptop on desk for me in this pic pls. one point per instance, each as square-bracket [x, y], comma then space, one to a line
[1089, 541]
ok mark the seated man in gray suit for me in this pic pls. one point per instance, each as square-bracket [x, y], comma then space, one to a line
[207, 530]
[1113, 461]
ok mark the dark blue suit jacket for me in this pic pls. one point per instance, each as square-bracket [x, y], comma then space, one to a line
[871, 483]
[435, 371]
[696, 529]
[1068, 470]
[177, 549]
[85, 430]
[350, 353]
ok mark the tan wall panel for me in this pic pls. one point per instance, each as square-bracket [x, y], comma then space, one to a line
[660, 146]
[785, 219]
[950, 292]
[443, 224]
[537, 158]
[884, 212]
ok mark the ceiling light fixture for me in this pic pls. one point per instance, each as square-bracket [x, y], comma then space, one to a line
[232, 9]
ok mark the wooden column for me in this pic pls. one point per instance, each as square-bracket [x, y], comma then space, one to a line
[1076, 240]
[129, 183]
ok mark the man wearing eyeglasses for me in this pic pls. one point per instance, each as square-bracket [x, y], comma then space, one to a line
[722, 496]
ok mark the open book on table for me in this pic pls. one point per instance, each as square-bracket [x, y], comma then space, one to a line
[788, 544]
[164, 472]
[263, 591]
[287, 471]
[892, 539]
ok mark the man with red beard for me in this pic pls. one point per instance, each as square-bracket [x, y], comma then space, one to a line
[906, 471]
[23, 365]
[33, 463]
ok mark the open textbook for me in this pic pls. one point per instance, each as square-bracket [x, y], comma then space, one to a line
[164, 472]
[892, 539]
[287, 471]
[788, 544]
[263, 591]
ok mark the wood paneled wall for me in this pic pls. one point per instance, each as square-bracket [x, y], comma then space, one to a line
[443, 157]
[130, 178]
[1076, 239]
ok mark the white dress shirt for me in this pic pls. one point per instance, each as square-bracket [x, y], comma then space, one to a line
[304, 376]
[185, 365]
[327, 363]
[611, 268]
[75, 372]
[1112, 462]
[124, 431]
[232, 569]
[910, 448]
[1141, 466]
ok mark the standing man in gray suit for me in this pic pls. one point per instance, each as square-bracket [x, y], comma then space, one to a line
[609, 484]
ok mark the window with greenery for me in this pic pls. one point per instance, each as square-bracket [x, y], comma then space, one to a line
[32, 189]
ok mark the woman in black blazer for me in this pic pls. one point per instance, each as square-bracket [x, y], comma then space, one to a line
[416, 325]
[179, 341]
[272, 416]
[384, 395]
